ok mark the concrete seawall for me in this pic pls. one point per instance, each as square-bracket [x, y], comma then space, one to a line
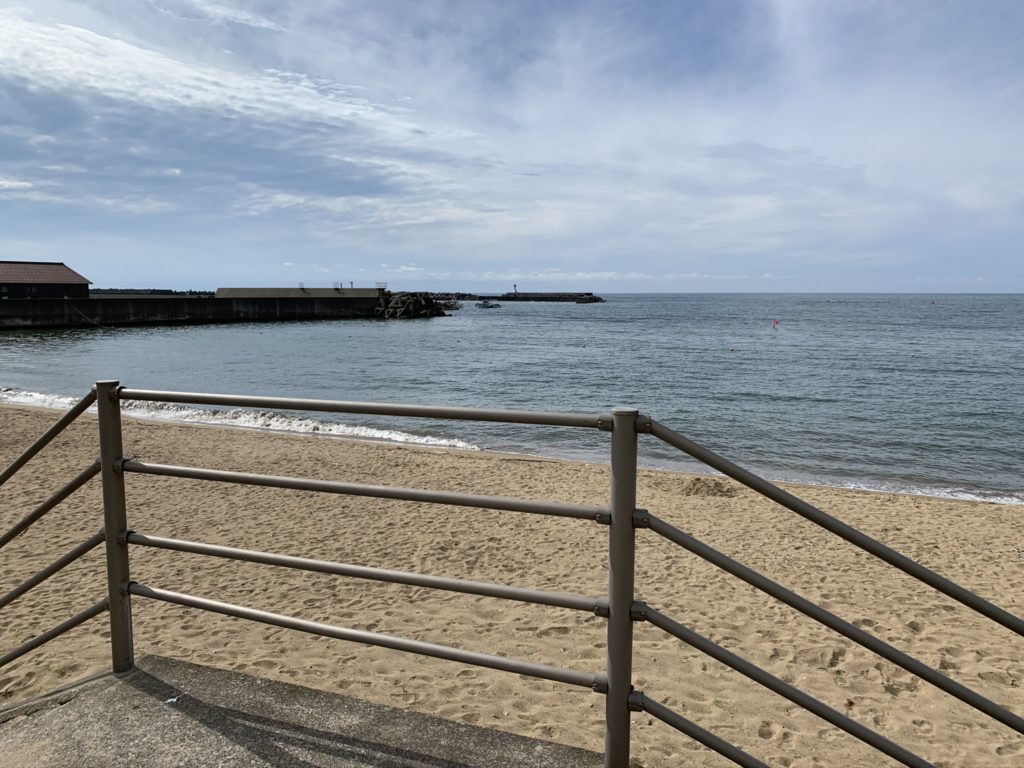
[148, 310]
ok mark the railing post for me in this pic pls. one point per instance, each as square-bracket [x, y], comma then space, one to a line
[115, 525]
[621, 557]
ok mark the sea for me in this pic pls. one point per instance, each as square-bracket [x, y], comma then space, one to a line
[907, 393]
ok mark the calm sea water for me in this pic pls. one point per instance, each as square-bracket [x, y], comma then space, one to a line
[910, 393]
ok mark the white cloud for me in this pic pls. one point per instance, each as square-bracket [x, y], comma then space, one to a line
[27, 192]
[359, 212]
[703, 276]
[14, 184]
[221, 14]
[75, 60]
[552, 274]
[63, 168]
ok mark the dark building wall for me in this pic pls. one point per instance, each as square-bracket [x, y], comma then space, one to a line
[62, 313]
[43, 291]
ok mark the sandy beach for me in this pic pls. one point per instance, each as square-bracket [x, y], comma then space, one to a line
[980, 545]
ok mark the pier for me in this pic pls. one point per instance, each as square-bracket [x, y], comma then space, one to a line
[585, 297]
[228, 305]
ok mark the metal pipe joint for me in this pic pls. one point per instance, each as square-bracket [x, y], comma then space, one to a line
[636, 700]
[113, 393]
[638, 611]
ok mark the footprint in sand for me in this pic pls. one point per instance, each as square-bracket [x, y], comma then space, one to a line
[768, 730]
[555, 630]
[924, 727]
[998, 677]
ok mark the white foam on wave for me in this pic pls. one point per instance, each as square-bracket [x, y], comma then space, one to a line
[277, 422]
[37, 399]
[880, 486]
[955, 494]
[240, 418]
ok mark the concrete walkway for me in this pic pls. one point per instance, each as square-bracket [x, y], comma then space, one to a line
[169, 714]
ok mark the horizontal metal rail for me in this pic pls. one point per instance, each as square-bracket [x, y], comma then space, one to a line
[587, 420]
[694, 731]
[839, 528]
[22, 525]
[830, 620]
[537, 597]
[86, 546]
[60, 629]
[377, 491]
[785, 690]
[543, 671]
[77, 410]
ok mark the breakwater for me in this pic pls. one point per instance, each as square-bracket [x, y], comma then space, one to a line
[190, 310]
[565, 297]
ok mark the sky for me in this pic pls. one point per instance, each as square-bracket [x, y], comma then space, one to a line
[669, 146]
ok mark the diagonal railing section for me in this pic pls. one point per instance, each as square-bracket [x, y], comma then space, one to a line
[830, 620]
[839, 528]
[795, 695]
[642, 612]
[79, 618]
[58, 565]
[641, 703]
[63, 423]
[29, 453]
[34, 516]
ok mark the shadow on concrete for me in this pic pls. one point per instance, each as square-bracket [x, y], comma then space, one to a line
[171, 714]
[266, 737]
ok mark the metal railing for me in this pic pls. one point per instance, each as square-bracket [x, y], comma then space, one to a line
[619, 607]
[38, 513]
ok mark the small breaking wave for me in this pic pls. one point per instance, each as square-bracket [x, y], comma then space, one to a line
[240, 418]
[38, 399]
[910, 489]
[955, 494]
[297, 424]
